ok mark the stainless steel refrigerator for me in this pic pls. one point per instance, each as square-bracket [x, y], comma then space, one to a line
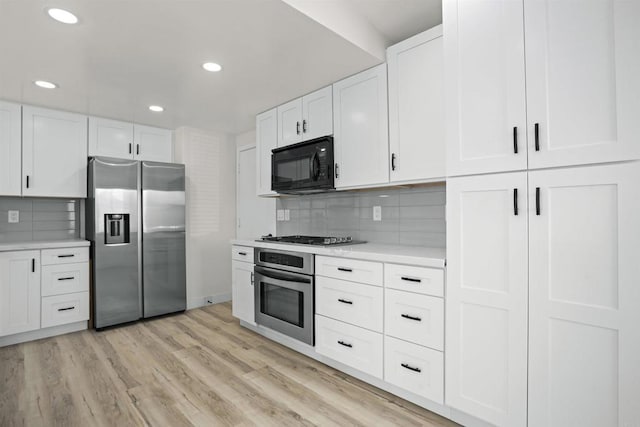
[136, 224]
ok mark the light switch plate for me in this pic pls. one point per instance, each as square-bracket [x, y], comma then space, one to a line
[287, 215]
[13, 217]
[280, 214]
[377, 213]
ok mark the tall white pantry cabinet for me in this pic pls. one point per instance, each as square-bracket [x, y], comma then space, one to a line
[543, 99]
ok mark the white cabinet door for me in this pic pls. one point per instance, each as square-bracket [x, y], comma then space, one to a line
[266, 140]
[242, 303]
[10, 149]
[54, 153]
[317, 114]
[416, 108]
[583, 90]
[256, 216]
[290, 122]
[584, 274]
[361, 139]
[485, 86]
[20, 290]
[486, 303]
[110, 138]
[153, 144]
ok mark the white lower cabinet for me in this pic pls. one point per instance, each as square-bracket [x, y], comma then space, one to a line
[354, 303]
[356, 347]
[242, 299]
[416, 318]
[63, 309]
[20, 291]
[414, 368]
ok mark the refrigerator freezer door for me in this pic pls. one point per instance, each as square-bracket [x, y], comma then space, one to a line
[163, 238]
[113, 197]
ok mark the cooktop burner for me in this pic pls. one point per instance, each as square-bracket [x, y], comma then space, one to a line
[312, 240]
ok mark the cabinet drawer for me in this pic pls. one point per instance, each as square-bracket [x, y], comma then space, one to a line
[242, 253]
[350, 269]
[65, 278]
[414, 368]
[416, 318]
[65, 255]
[422, 280]
[62, 309]
[356, 347]
[354, 303]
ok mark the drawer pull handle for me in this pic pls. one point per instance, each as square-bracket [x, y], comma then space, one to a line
[66, 256]
[66, 308]
[348, 270]
[411, 368]
[65, 278]
[346, 344]
[242, 253]
[344, 301]
[406, 316]
[411, 279]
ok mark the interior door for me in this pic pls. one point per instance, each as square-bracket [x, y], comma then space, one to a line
[110, 138]
[485, 86]
[256, 216]
[10, 149]
[317, 114]
[20, 290]
[486, 304]
[583, 90]
[290, 123]
[584, 296]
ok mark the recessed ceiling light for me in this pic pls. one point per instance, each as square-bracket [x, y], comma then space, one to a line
[45, 84]
[212, 66]
[156, 108]
[63, 16]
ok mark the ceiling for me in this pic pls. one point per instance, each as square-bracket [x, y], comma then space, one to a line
[125, 55]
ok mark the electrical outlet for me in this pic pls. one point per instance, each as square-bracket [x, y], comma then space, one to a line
[13, 217]
[287, 215]
[280, 214]
[377, 213]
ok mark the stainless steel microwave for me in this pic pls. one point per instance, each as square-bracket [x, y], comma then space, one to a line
[306, 167]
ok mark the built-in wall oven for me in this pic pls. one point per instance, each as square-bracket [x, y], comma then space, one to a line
[284, 292]
[306, 167]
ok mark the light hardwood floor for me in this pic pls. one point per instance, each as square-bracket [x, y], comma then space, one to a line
[196, 368]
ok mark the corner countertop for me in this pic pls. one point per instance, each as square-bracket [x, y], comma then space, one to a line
[412, 255]
[49, 244]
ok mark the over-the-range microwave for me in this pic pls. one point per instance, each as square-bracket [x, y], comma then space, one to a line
[306, 167]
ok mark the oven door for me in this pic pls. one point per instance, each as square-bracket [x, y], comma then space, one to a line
[304, 167]
[284, 302]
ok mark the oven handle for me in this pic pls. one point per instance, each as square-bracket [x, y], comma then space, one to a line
[282, 277]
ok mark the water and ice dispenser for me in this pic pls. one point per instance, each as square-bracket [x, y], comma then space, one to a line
[116, 229]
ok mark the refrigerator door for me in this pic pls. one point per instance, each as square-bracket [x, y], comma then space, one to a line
[163, 238]
[112, 227]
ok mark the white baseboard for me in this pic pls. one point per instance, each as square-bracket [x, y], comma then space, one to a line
[42, 333]
[202, 301]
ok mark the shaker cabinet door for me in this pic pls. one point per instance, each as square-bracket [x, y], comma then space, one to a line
[110, 138]
[10, 149]
[20, 290]
[317, 114]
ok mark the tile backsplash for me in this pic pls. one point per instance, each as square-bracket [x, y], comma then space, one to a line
[40, 219]
[411, 216]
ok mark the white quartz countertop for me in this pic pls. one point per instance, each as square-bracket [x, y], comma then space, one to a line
[52, 244]
[413, 255]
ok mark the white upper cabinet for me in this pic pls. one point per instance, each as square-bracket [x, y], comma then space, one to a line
[290, 123]
[361, 140]
[20, 290]
[584, 296]
[305, 118]
[317, 114]
[583, 89]
[153, 144]
[10, 149]
[486, 303]
[416, 108]
[484, 86]
[110, 138]
[266, 140]
[54, 153]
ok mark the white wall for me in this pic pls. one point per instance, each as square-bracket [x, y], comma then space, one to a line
[209, 159]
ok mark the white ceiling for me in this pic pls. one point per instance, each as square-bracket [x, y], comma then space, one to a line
[127, 54]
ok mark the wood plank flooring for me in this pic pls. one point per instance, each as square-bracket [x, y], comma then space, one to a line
[197, 368]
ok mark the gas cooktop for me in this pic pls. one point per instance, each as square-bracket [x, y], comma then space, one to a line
[312, 240]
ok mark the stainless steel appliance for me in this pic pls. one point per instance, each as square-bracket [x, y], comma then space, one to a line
[136, 224]
[284, 292]
[302, 168]
[312, 240]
